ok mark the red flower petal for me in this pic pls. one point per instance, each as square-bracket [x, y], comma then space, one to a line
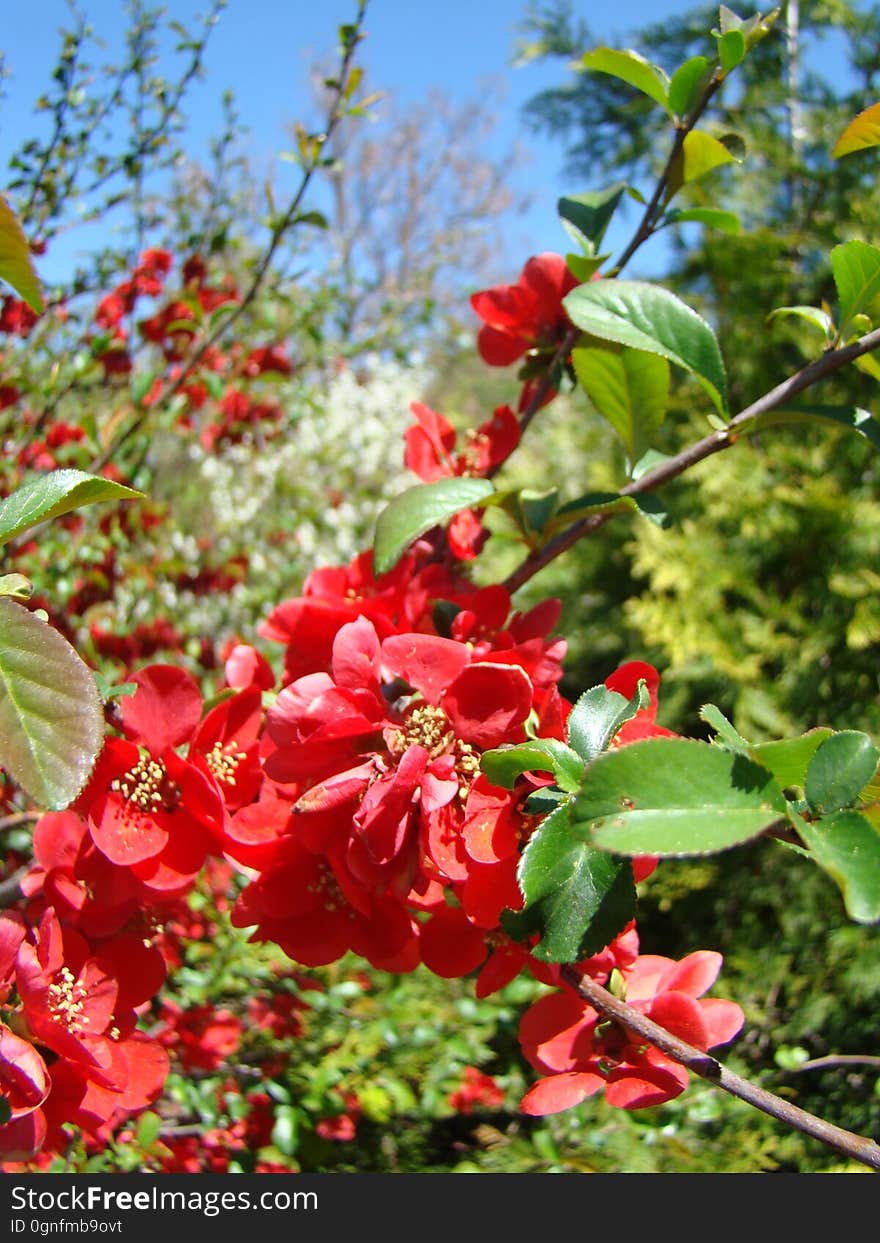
[451, 946]
[551, 1096]
[487, 703]
[164, 710]
[426, 662]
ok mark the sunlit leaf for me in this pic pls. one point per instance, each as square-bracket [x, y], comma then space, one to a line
[856, 270]
[700, 153]
[55, 493]
[51, 718]
[686, 85]
[649, 317]
[847, 846]
[630, 388]
[863, 131]
[16, 264]
[632, 68]
[711, 217]
[675, 796]
[417, 510]
[840, 769]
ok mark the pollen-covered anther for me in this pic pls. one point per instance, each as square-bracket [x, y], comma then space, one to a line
[473, 454]
[224, 760]
[467, 765]
[145, 785]
[426, 727]
[66, 1001]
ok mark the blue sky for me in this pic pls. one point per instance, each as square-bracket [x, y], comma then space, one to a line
[263, 50]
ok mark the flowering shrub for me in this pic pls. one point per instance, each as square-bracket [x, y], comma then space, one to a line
[405, 782]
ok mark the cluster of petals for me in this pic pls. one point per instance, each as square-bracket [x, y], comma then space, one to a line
[372, 764]
[431, 454]
[71, 1051]
[85, 957]
[580, 1053]
[526, 316]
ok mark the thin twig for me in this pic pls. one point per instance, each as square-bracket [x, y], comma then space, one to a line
[281, 227]
[833, 1060]
[858, 1147]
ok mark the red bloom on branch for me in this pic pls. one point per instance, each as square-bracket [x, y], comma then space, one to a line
[525, 316]
[581, 1053]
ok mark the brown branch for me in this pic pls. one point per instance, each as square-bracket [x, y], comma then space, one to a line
[829, 362]
[858, 1147]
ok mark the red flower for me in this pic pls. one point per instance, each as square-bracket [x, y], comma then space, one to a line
[581, 1053]
[527, 315]
[477, 1089]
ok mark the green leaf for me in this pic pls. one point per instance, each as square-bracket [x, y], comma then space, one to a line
[583, 266]
[847, 846]
[586, 506]
[58, 492]
[417, 510]
[711, 217]
[700, 153]
[686, 85]
[727, 735]
[590, 214]
[631, 68]
[148, 1128]
[674, 796]
[51, 719]
[812, 314]
[863, 131]
[504, 765]
[852, 417]
[839, 771]
[536, 508]
[16, 585]
[16, 264]
[789, 759]
[578, 897]
[731, 49]
[856, 270]
[598, 716]
[649, 317]
[628, 387]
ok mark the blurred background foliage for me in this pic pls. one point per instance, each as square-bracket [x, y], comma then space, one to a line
[761, 597]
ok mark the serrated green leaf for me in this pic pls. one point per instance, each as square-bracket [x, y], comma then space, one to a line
[504, 765]
[598, 715]
[700, 153]
[675, 796]
[686, 85]
[862, 132]
[417, 510]
[649, 317]
[812, 314]
[711, 217]
[852, 417]
[576, 896]
[55, 493]
[16, 264]
[650, 506]
[727, 735]
[840, 769]
[590, 214]
[629, 388]
[856, 270]
[51, 719]
[847, 846]
[631, 68]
